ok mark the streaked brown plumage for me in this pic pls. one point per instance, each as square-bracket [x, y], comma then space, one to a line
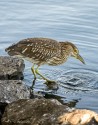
[44, 51]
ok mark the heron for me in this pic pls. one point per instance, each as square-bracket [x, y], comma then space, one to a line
[42, 51]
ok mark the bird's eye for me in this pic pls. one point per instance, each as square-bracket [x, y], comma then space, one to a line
[76, 51]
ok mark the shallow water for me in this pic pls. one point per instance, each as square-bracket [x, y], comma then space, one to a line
[72, 20]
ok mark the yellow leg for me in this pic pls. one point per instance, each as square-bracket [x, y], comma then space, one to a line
[33, 71]
[47, 80]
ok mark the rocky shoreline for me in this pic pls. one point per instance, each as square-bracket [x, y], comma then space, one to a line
[16, 107]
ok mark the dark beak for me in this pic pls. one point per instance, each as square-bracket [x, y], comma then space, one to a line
[80, 58]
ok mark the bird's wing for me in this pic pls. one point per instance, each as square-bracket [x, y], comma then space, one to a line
[38, 48]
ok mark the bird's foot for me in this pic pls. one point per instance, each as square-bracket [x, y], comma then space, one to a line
[49, 81]
[51, 84]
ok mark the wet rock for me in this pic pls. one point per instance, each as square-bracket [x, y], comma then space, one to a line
[12, 90]
[11, 68]
[33, 112]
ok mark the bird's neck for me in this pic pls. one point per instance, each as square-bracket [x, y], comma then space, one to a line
[65, 50]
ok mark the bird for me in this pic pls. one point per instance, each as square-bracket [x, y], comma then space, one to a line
[40, 51]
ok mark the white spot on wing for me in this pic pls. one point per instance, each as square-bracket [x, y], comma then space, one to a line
[28, 45]
[24, 50]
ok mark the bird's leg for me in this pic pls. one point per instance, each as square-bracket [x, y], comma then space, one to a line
[47, 80]
[37, 72]
[33, 71]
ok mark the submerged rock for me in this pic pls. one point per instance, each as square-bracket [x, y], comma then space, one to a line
[11, 68]
[12, 90]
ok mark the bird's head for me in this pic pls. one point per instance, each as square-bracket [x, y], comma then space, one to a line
[75, 52]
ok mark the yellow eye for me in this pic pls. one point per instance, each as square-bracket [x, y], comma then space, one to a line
[76, 51]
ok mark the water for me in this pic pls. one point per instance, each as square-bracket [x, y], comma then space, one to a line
[72, 20]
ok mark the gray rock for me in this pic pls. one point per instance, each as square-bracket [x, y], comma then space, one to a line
[11, 68]
[12, 90]
[33, 112]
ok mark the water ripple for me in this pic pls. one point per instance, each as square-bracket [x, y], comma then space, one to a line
[83, 80]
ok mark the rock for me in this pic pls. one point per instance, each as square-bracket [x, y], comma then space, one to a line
[79, 117]
[11, 68]
[33, 112]
[46, 112]
[12, 90]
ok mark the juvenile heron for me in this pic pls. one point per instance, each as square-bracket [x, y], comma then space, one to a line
[42, 51]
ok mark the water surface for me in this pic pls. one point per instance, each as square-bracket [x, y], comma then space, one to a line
[72, 20]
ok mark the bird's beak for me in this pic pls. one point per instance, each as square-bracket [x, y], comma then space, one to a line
[80, 58]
